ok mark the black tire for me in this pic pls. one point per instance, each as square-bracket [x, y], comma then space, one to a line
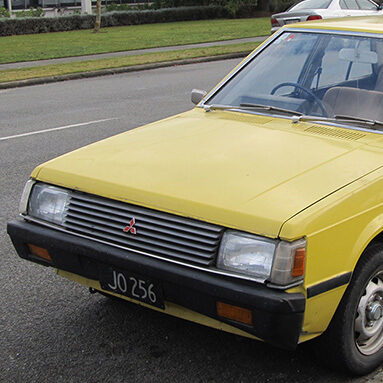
[354, 340]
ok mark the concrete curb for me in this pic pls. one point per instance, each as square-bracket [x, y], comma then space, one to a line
[106, 72]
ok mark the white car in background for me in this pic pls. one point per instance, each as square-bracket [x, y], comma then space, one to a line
[307, 10]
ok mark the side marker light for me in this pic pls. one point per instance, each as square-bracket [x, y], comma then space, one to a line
[40, 252]
[236, 313]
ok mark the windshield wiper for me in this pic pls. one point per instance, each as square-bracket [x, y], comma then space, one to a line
[342, 118]
[308, 118]
[270, 108]
[208, 108]
[366, 121]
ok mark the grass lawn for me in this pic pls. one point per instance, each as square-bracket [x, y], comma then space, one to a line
[77, 43]
[92, 65]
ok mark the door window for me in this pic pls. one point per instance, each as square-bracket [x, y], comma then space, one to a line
[349, 4]
[366, 5]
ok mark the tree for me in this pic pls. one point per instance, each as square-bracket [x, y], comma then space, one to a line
[97, 24]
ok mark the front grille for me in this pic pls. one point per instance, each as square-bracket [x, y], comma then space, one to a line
[160, 234]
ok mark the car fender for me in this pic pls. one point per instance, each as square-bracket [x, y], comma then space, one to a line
[338, 229]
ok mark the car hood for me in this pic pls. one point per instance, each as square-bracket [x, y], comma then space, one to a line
[243, 171]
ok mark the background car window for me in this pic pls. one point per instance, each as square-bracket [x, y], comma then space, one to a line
[335, 70]
[311, 4]
[366, 5]
[349, 4]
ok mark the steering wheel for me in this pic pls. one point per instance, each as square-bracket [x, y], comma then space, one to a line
[307, 91]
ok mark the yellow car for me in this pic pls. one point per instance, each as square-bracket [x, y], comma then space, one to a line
[259, 212]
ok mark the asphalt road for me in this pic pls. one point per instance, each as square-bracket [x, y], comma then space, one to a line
[52, 330]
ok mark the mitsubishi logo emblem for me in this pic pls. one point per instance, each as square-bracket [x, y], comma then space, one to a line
[130, 227]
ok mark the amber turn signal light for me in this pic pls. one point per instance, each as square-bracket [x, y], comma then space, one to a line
[299, 263]
[236, 313]
[40, 252]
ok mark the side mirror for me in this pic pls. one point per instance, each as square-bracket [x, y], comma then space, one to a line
[197, 95]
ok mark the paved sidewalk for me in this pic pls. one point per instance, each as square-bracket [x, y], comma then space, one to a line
[28, 64]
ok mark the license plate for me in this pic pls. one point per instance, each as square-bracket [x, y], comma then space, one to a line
[124, 283]
[291, 21]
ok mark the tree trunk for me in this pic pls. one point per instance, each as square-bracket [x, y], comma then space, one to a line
[97, 24]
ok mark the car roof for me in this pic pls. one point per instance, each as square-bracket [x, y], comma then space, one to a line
[331, 4]
[369, 24]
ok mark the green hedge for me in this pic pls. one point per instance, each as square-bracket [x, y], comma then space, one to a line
[22, 26]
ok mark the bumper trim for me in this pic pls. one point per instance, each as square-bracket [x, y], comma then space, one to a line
[278, 316]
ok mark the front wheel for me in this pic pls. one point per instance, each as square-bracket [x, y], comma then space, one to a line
[354, 339]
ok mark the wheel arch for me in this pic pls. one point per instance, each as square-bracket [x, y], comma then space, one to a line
[349, 341]
[372, 234]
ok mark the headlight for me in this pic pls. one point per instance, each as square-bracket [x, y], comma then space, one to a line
[246, 253]
[48, 203]
[281, 263]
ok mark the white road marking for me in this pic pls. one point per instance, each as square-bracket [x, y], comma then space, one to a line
[58, 128]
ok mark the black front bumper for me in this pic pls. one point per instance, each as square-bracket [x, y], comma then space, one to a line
[278, 315]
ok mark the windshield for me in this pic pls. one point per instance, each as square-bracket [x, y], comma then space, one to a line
[311, 4]
[314, 74]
